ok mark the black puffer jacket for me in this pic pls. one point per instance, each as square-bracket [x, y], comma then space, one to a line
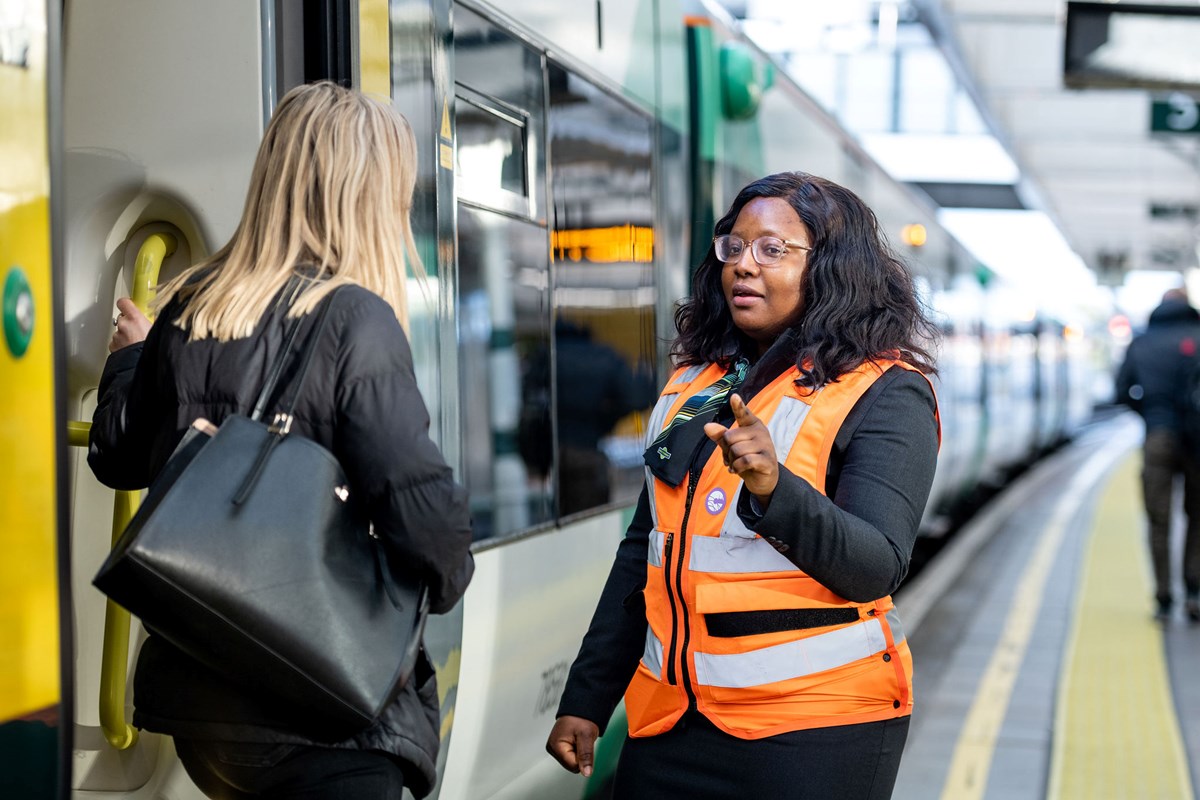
[360, 401]
[1150, 378]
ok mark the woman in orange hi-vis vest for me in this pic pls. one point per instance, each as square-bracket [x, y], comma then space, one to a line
[748, 618]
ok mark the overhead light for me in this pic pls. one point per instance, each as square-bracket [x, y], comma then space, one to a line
[914, 234]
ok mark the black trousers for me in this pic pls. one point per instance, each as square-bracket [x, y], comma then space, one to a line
[1163, 458]
[241, 770]
[698, 761]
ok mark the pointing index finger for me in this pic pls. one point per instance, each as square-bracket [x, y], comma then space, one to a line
[741, 412]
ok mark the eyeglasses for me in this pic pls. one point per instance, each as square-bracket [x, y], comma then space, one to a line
[766, 250]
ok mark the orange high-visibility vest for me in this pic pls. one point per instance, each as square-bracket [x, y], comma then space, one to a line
[703, 560]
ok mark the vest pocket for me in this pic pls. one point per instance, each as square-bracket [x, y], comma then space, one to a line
[656, 548]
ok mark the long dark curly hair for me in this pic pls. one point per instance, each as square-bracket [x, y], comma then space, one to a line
[859, 302]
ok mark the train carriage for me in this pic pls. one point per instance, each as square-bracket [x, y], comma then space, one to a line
[573, 160]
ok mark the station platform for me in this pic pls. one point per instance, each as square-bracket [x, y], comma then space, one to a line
[1040, 672]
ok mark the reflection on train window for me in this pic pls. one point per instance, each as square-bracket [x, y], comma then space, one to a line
[602, 195]
[554, 415]
[504, 324]
[500, 99]
[490, 155]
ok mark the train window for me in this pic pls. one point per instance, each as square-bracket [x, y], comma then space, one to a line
[499, 106]
[504, 334]
[557, 362]
[313, 41]
[602, 239]
[490, 157]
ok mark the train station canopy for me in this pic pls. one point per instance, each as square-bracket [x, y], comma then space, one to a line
[1050, 133]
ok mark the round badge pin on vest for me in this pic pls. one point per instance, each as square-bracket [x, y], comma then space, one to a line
[715, 501]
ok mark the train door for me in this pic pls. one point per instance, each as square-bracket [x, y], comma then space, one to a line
[556, 298]
[34, 707]
[158, 137]
[163, 108]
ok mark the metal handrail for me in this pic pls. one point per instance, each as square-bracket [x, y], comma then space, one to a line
[114, 659]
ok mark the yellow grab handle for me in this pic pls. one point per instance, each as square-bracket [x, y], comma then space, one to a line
[154, 249]
[114, 661]
[77, 433]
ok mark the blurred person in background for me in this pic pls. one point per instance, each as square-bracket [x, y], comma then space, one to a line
[1154, 381]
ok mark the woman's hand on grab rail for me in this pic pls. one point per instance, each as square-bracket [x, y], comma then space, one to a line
[131, 326]
[748, 450]
[573, 743]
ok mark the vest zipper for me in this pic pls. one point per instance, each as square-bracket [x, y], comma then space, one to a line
[674, 612]
[693, 479]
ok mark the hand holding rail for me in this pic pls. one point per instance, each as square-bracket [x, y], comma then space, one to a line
[114, 664]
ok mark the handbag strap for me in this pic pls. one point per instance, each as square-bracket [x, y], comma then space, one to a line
[268, 390]
[284, 417]
[282, 422]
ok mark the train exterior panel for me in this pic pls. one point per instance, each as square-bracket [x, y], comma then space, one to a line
[34, 635]
[573, 160]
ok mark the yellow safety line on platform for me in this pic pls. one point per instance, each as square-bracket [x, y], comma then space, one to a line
[1115, 730]
[972, 760]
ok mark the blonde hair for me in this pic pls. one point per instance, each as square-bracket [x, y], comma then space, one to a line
[331, 187]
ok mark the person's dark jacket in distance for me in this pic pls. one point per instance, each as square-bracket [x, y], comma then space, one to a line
[1149, 380]
[596, 387]
[360, 401]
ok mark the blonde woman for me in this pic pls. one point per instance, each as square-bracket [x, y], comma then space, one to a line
[328, 206]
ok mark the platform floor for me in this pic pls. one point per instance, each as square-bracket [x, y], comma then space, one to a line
[1040, 672]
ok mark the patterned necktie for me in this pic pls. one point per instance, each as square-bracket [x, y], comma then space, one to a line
[703, 403]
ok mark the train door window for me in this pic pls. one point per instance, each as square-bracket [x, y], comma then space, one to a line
[504, 339]
[500, 101]
[503, 278]
[602, 240]
[490, 157]
[313, 40]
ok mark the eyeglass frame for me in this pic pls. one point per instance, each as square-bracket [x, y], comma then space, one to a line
[750, 246]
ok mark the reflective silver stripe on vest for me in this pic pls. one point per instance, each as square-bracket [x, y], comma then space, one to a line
[738, 549]
[784, 425]
[734, 553]
[893, 620]
[654, 552]
[690, 374]
[657, 419]
[732, 525]
[652, 657]
[793, 659]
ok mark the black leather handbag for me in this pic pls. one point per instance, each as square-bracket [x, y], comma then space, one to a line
[250, 555]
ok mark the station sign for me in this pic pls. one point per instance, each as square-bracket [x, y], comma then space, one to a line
[1178, 113]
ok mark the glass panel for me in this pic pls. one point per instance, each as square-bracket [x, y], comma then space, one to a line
[490, 157]
[927, 92]
[415, 93]
[490, 148]
[504, 339]
[869, 80]
[602, 189]
[498, 75]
